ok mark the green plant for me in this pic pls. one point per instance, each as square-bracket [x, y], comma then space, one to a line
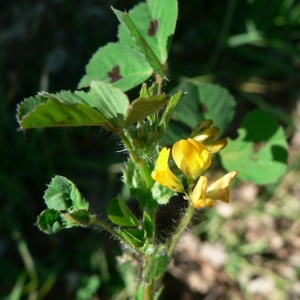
[144, 126]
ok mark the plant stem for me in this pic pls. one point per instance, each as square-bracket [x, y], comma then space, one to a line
[148, 291]
[98, 222]
[159, 81]
[181, 228]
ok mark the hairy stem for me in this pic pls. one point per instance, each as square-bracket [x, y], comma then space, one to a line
[114, 233]
[148, 290]
[181, 228]
[159, 82]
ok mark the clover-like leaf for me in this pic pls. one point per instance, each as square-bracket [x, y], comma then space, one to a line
[134, 236]
[62, 194]
[143, 107]
[119, 65]
[120, 214]
[50, 221]
[40, 111]
[200, 102]
[156, 266]
[260, 151]
[155, 21]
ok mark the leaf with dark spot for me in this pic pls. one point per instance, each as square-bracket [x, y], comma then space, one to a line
[204, 108]
[114, 74]
[153, 28]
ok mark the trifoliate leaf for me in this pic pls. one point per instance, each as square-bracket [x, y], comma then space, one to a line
[50, 221]
[260, 151]
[119, 65]
[120, 214]
[155, 21]
[142, 44]
[205, 101]
[161, 193]
[62, 194]
[143, 107]
[134, 236]
[148, 225]
[38, 111]
[156, 266]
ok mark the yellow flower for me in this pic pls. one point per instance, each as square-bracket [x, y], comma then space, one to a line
[203, 196]
[163, 175]
[205, 133]
[191, 157]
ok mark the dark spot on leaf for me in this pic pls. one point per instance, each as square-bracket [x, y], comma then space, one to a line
[203, 108]
[153, 28]
[114, 74]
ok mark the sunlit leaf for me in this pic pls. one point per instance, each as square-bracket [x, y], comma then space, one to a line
[143, 107]
[161, 194]
[142, 45]
[109, 100]
[43, 112]
[117, 64]
[155, 21]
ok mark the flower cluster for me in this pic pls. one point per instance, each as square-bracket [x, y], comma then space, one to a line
[193, 158]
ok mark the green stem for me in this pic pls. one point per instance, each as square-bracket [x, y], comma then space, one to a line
[159, 81]
[98, 222]
[181, 228]
[148, 289]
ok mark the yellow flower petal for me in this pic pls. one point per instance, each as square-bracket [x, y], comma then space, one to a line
[207, 134]
[198, 195]
[191, 157]
[163, 175]
[216, 146]
[219, 190]
[200, 127]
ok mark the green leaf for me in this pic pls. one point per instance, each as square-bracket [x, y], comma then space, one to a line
[66, 207]
[79, 217]
[103, 105]
[128, 271]
[117, 64]
[156, 266]
[62, 194]
[40, 112]
[142, 45]
[156, 22]
[120, 214]
[88, 287]
[161, 194]
[134, 236]
[109, 100]
[205, 101]
[143, 107]
[168, 112]
[134, 180]
[148, 225]
[260, 151]
[50, 221]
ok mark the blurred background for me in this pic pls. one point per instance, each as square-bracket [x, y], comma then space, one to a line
[249, 249]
